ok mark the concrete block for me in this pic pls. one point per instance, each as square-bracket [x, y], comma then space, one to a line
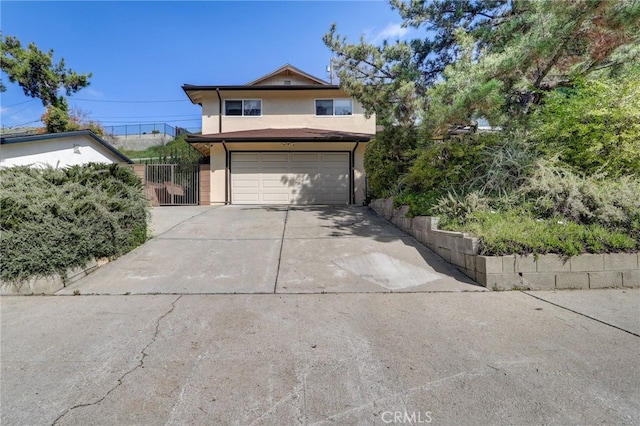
[631, 279]
[605, 279]
[420, 223]
[444, 253]
[458, 259]
[552, 263]
[420, 236]
[41, 285]
[470, 261]
[587, 263]
[525, 264]
[503, 281]
[539, 281]
[575, 280]
[620, 261]
[489, 264]
[471, 273]
[466, 245]
[481, 278]
[509, 264]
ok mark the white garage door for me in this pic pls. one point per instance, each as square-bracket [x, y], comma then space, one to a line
[290, 178]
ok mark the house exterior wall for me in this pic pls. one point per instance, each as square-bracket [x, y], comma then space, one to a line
[61, 152]
[283, 109]
[218, 161]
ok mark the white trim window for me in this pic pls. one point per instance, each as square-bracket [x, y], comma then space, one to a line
[341, 107]
[243, 107]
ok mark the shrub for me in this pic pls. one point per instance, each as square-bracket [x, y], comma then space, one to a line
[556, 190]
[55, 219]
[387, 159]
[518, 232]
[450, 164]
[595, 124]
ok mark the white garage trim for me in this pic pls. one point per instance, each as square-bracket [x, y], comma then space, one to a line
[290, 177]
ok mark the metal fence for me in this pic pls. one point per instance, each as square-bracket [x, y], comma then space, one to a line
[145, 129]
[173, 184]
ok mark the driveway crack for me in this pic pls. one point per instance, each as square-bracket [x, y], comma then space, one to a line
[284, 229]
[140, 364]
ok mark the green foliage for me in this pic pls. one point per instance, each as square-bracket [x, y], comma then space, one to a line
[177, 151]
[388, 157]
[442, 165]
[519, 232]
[556, 190]
[507, 54]
[503, 167]
[595, 125]
[55, 219]
[56, 119]
[36, 72]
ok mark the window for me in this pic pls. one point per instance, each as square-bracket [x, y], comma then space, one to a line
[334, 107]
[244, 107]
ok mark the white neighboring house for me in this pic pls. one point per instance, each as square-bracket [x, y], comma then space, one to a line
[58, 150]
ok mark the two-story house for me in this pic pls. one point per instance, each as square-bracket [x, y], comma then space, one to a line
[286, 138]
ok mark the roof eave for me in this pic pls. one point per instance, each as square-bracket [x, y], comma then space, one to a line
[47, 136]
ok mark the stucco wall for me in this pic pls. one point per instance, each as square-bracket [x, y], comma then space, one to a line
[61, 152]
[282, 109]
[543, 272]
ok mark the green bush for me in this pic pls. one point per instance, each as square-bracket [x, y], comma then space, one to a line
[556, 190]
[519, 232]
[55, 219]
[443, 165]
[387, 159]
[595, 124]
[176, 151]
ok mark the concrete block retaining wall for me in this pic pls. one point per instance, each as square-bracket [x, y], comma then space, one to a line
[50, 284]
[543, 272]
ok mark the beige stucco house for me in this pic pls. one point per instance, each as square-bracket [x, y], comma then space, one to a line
[286, 138]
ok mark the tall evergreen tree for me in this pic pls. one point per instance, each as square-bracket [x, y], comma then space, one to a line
[39, 77]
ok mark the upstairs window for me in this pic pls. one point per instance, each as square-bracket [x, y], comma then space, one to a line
[243, 107]
[334, 107]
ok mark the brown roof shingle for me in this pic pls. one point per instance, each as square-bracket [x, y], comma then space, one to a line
[270, 135]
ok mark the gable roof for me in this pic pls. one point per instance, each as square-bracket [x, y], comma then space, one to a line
[288, 69]
[11, 139]
[313, 83]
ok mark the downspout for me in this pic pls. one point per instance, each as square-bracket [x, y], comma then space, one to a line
[353, 175]
[219, 110]
[226, 173]
[226, 151]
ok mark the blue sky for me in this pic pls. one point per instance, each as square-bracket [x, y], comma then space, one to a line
[140, 53]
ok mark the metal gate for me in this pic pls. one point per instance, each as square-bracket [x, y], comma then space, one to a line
[173, 184]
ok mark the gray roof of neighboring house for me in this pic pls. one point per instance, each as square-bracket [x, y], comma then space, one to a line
[10, 139]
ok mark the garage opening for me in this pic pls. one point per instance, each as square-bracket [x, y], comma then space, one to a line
[290, 178]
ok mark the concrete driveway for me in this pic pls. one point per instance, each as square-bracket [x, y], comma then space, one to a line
[242, 249]
[359, 356]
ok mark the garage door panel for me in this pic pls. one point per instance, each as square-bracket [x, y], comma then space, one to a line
[275, 157]
[305, 157]
[275, 198]
[290, 178]
[247, 183]
[268, 183]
